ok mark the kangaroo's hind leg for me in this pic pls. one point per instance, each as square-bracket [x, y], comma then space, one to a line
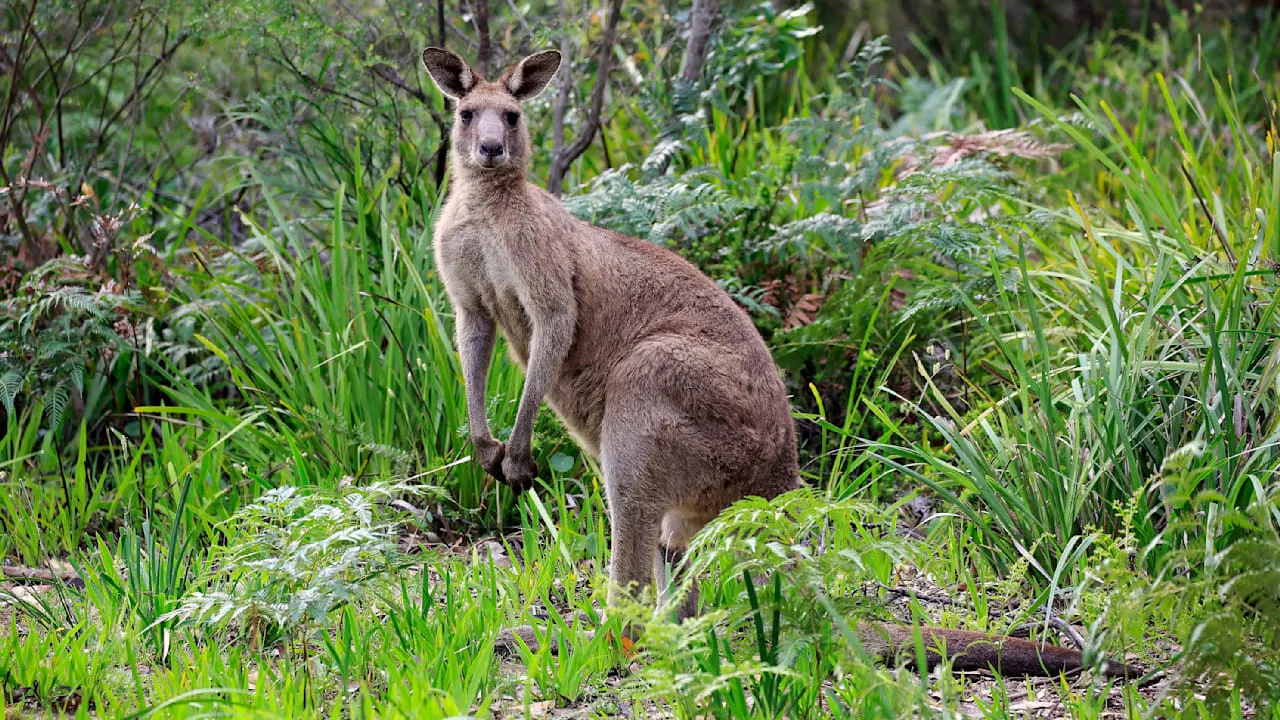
[635, 521]
[645, 462]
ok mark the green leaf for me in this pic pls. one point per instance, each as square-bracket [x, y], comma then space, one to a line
[562, 463]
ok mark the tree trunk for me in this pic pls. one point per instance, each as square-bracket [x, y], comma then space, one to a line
[564, 84]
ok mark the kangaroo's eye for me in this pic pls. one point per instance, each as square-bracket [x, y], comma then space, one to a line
[466, 116]
[513, 119]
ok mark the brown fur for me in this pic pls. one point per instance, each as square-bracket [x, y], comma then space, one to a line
[652, 367]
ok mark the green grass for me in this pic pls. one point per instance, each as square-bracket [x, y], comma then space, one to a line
[294, 528]
[341, 364]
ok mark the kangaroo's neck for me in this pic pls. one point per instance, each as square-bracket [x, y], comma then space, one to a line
[494, 194]
[486, 186]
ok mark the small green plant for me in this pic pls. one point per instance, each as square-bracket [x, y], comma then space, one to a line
[764, 653]
[60, 337]
[568, 676]
[53, 501]
[767, 690]
[151, 573]
[439, 635]
[301, 556]
[349, 648]
[1225, 594]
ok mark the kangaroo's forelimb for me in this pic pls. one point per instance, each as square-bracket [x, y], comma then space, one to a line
[553, 326]
[476, 334]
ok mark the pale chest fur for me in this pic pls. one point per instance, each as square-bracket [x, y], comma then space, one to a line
[479, 259]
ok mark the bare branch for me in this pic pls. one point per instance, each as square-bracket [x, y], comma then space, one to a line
[283, 59]
[561, 161]
[441, 37]
[527, 31]
[6, 119]
[564, 86]
[17, 211]
[702, 19]
[141, 89]
[391, 75]
[480, 14]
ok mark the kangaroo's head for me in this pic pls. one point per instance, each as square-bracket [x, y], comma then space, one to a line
[489, 131]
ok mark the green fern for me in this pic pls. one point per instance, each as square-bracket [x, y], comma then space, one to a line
[661, 210]
[1234, 592]
[751, 298]
[11, 382]
[790, 575]
[55, 333]
[302, 555]
[55, 403]
[827, 549]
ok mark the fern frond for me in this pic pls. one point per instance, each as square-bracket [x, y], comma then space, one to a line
[661, 155]
[55, 403]
[839, 232]
[11, 383]
[751, 298]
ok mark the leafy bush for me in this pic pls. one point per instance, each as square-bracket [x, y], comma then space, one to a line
[55, 334]
[80, 119]
[1225, 591]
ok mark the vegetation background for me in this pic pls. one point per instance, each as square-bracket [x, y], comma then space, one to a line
[1017, 259]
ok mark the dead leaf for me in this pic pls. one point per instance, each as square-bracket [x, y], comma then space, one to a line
[494, 552]
[804, 310]
[28, 594]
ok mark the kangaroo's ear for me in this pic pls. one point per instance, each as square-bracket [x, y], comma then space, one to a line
[530, 77]
[451, 74]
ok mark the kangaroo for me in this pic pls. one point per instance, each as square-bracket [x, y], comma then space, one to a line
[652, 368]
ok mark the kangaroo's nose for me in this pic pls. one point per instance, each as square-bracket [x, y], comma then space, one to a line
[492, 150]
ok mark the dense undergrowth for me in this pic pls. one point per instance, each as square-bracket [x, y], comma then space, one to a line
[1036, 370]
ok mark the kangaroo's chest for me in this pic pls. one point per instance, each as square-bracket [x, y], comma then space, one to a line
[480, 272]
